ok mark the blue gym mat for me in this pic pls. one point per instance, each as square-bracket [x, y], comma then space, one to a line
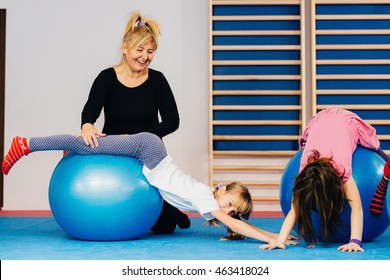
[40, 238]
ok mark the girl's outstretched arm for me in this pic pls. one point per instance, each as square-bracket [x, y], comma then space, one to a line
[354, 201]
[247, 229]
[241, 227]
[284, 234]
[290, 239]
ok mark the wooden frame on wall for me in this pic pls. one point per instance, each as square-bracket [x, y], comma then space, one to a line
[349, 68]
[350, 60]
[257, 92]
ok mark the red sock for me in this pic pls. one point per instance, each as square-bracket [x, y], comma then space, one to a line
[378, 200]
[18, 149]
[386, 170]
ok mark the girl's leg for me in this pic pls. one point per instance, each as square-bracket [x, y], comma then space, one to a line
[166, 222]
[378, 200]
[383, 154]
[146, 147]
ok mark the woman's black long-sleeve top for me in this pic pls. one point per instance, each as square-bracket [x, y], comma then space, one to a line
[132, 110]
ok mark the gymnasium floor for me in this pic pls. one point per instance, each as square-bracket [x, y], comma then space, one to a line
[40, 238]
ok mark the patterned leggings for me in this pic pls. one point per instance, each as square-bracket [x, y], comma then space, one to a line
[146, 147]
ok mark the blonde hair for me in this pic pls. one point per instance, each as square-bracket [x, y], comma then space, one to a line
[244, 207]
[141, 29]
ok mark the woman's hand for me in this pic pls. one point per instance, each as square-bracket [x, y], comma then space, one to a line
[90, 135]
[350, 247]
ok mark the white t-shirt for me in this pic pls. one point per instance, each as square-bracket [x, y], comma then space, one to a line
[180, 189]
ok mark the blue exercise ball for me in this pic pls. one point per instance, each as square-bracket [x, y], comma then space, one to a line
[103, 197]
[367, 170]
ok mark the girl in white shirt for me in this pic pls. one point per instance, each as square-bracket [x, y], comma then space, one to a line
[225, 204]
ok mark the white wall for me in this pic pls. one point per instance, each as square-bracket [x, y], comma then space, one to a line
[54, 51]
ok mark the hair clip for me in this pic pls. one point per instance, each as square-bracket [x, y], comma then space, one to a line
[220, 185]
[139, 23]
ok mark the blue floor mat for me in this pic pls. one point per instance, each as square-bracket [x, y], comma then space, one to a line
[40, 238]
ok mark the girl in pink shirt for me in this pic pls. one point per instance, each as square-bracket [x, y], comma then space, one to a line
[325, 178]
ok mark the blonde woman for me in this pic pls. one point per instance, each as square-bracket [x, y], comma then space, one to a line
[133, 97]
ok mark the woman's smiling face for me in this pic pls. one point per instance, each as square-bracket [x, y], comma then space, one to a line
[139, 59]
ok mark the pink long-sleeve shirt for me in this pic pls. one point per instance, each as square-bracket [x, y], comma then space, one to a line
[335, 133]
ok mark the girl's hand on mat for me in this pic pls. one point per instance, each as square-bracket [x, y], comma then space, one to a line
[273, 244]
[350, 247]
[291, 240]
[292, 237]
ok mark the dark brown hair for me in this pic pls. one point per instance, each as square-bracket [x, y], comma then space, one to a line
[318, 188]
